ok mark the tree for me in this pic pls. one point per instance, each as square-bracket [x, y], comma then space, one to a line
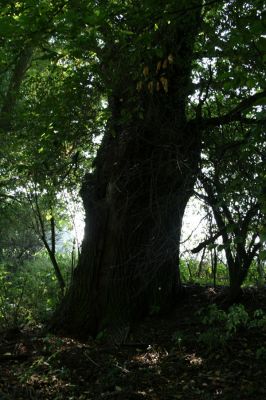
[232, 187]
[146, 167]
[143, 175]
[169, 73]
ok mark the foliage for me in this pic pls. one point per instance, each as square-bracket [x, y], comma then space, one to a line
[189, 270]
[29, 294]
[232, 164]
[190, 273]
[34, 218]
[256, 274]
[223, 326]
[18, 241]
[12, 311]
[231, 187]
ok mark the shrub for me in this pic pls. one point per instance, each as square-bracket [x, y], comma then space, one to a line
[223, 326]
[29, 294]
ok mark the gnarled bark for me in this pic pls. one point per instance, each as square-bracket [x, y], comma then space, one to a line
[135, 200]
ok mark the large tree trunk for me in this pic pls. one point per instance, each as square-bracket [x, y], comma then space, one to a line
[134, 201]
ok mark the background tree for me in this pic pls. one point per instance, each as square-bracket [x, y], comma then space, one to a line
[232, 188]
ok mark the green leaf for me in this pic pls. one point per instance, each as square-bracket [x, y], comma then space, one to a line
[230, 228]
[263, 236]
[239, 239]
[159, 52]
[262, 44]
[262, 255]
[260, 102]
[7, 27]
[229, 85]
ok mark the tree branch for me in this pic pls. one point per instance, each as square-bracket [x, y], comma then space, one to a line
[234, 115]
[205, 243]
[14, 85]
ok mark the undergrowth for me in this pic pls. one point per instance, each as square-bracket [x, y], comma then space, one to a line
[223, 326]
[29, 293]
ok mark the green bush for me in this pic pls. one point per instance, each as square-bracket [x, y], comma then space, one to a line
[222, 326]
[11, 298]
[31, 292]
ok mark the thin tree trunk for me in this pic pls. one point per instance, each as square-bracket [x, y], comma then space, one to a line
[189, 271]
[41, 232]
[214, 266]
[56, 267]
[260, 270]
[201, 262]
[52, 225]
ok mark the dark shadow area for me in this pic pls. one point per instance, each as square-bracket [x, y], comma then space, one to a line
[188, 354]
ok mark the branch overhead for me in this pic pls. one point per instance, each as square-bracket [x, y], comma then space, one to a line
[235, 114]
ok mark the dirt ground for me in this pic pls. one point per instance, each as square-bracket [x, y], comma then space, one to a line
[161, 358]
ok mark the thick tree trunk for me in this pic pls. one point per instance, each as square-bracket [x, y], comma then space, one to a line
[134, 201]
[129, 259]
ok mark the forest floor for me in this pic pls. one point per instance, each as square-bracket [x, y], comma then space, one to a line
[176, 356]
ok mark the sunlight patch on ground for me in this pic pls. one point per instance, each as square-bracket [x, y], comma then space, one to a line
[151, 357]
[194, 360]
